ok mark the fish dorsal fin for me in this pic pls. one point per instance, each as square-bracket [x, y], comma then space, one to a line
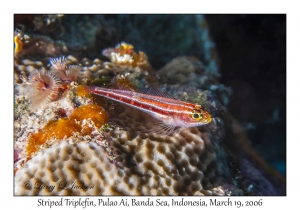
[121, 83]
[156, 90]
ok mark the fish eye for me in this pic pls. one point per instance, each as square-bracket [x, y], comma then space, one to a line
[196, 116]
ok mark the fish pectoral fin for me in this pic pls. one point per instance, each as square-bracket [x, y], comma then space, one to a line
[135, 121]
[162, 129]
[178, 130]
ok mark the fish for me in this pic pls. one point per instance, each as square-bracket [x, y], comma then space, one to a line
[170, 113]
